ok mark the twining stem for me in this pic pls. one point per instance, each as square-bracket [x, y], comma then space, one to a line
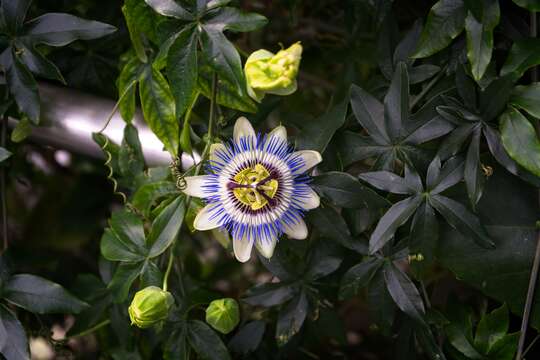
[117, 105]
[3, 188]
[536, 262]
[209, 137]
[92, 329]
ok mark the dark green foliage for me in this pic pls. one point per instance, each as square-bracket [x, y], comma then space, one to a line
[425, 114]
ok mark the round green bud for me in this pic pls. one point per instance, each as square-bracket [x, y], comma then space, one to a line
[150, 306]
[223, 315]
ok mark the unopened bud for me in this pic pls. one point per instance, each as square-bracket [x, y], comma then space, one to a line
[150, 306]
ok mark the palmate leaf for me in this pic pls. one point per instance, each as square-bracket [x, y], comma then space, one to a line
[358, 277]
[394, 132]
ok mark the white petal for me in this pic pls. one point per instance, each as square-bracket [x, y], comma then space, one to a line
[214, 148]
[310, 159]
[242, 249]
[296, 231]
[203, 220]
[310, 200]
[194, 186]
[243, 128]
[280, 132]
[266, 248]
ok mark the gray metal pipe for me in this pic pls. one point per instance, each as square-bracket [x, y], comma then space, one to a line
[69, 117]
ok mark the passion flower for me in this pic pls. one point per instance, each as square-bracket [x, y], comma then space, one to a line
[257, 188]
[268, 73]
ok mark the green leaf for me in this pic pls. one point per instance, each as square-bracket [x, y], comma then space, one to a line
[526, 97]
[166, 227]
[396, 216]
[223, 315]
[15, 346]
[227, 95]
[404, 292]
[461, 219]
[206, 342]
[41, 296]
[445, 22]
[4, 154]
[221, 55]
[269, 294]
[505, 348]
[130, 157]
[135, 15]
[396, 102]
[21, 131]
[170, 8]
[381, 304]
[499, 153]
[291, 318]
[480, 37]
[324, 258]
[38, 64]
[124, 276]
[233, 19]
[159, 109]
[22, 86]
[56, 29]
[182, 68]
[474, 178]
[524, 53]
[491, 328]
[387, 181]
[345, 191]
[459, 334]
[14, 13]
[248, 338]
[424, 237]
[316, 134]
[354, 147]
[148, 195]
[452, 143]
[370, 114]
[520, 140]
[126, 84]
[331, 225]
[358, 277]
[493, 100]
[531, 5]
[114, 249]
[129, 229]
[509, 210]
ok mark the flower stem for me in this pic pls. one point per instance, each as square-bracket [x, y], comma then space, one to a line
[209, 136]
[169, 267]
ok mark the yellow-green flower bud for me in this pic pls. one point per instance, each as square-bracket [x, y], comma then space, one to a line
[268, 73]
[150, 306]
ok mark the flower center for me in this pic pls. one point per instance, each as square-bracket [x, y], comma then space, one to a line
[254, 186]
